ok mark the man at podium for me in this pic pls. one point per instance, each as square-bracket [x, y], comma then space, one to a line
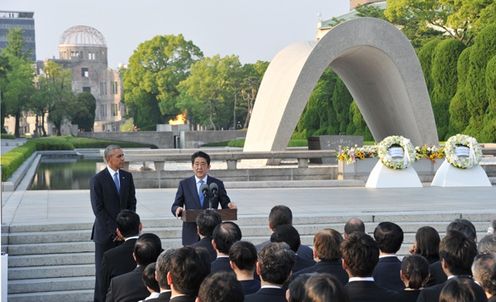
[191, 195]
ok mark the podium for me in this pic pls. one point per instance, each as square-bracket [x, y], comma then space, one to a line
[225, 214]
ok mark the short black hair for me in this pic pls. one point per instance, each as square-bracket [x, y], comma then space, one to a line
[427, 242]
[221, 287]
[354, 225]
[360, 253]
[326, 244]
[224, 236]
[244, 255]
[463, 226]
[325, 287]
[147, 248]
[458, 290]
[128, 223]
[286, 233]
[149, 277]
[276, 260]
[280, 215]
[200, 154]
[162, 267]
[389, 237]
[458, 252]
[296, 287]
[188, 269]
[206, 221]
[416, 270]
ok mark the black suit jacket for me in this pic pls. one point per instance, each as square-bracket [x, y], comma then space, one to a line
[250, 286]
[163, 297]
[128, 287]
[408, 295]
[187, 197]
[220, 264]
[333, 267]
[368, 291]
[387, 273]
[302, 263]
[117, 261]
[267, 295]
[437, 274]
[431, 294]
[183, 299]
[107, 202]
[206, 243]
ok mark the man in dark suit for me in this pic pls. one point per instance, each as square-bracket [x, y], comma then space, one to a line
[119, 260]
[187, 270]
[111, 190]
[162, 268]
[457, 253]
[189, 196]
[287, 233]
[224, 236]
[484, 271]
[206, 222]
[220, 287]
[389, 237]
[326, 245]
[243, 258]
[130, 286]
[274, 265]
[360, 255]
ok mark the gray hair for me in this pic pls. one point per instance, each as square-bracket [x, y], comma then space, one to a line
[108, 150]
[487, 244]
[484, 272]
[162, 267]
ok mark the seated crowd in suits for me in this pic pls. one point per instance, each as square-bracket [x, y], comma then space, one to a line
[353, 267]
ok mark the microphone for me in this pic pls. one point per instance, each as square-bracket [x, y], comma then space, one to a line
[204, 190]
[214, 189]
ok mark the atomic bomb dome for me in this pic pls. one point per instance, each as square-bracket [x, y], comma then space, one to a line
[82, 35]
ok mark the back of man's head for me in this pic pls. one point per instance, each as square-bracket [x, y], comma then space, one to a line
[354, 225]
[149, 277]
[463, 226]
[244, 255]
[147, 248]
[360, 254]
[286, 233]
[221, 287]
[162, 267]
[389, 237]
[187, 271]
[484, 271]
[275, 262]
[326, 244]
[206, 221]
[487, 244]
[224, 236]
[128, 223]
[457, 252]
[280, 215]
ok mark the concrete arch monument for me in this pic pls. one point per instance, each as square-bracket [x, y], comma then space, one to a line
[375, 61]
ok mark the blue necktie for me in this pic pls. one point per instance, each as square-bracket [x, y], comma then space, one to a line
[200, 193]
[117, 183]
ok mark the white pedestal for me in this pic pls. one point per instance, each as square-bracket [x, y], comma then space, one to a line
[5, 266]
[384, 177]
[449, 176]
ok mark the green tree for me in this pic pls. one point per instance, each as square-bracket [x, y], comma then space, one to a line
[341, 101]
[16, 45]
[5, 68]
[425, 55]
[458, 114]
[155, 69]
[357, 125]
[444, 79]
[83, 112]
[488, 133]
[209, 92]
[252, 75]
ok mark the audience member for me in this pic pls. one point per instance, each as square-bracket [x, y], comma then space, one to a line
[162, 268]
[296, 287]
[287, 233]
[243, 259]
[150, 282]
[130, 286]
[326, 252]
[389, 237]
[280, 215]
[353, 225]
[458, 290]
[484, 271]
[224, 236]
[324, 288]
[492, 227]
[187, 271]
[206, 222]
[220, 287]
[119, 260]
[274, 265]
[427, 244]
[457, 253]
[360, 255]
[487, 244]
[414, 274]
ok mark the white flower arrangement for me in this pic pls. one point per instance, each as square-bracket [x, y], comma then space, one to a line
[457, 156]
[390, 154]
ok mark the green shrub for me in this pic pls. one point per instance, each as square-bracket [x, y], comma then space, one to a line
[11, 160]
[240, 143]
[7, 136]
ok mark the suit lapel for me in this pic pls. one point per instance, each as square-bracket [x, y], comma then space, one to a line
[112, 183]
[194, 190]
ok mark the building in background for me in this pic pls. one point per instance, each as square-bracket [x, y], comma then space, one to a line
[22, 20]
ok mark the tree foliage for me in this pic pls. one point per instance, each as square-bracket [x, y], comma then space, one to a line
[83, 113]
[251, 77]
[458, 114]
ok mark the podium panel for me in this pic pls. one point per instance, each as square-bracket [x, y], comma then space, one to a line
[225, 214]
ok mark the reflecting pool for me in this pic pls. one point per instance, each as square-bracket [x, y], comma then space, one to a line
[65, 174]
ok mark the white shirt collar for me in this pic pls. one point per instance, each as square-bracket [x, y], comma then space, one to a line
[361, 279]
[111, 171]
[271, 286]
[197, 180]
[387, 256]
[132, 237]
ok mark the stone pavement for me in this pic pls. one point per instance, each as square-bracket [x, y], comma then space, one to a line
[40, 207]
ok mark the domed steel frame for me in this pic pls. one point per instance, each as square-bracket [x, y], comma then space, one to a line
[82, 35]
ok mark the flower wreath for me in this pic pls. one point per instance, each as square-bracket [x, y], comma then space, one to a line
[396, 163]
[463, 162]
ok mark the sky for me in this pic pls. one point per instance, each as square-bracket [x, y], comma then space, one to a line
[251, 29]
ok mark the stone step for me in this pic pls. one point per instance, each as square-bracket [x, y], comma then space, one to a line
[56, 271]
[54, 296]
[51, 259]
[51, 284]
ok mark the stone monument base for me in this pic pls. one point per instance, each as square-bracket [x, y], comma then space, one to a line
[449, 176]
[384, 177]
